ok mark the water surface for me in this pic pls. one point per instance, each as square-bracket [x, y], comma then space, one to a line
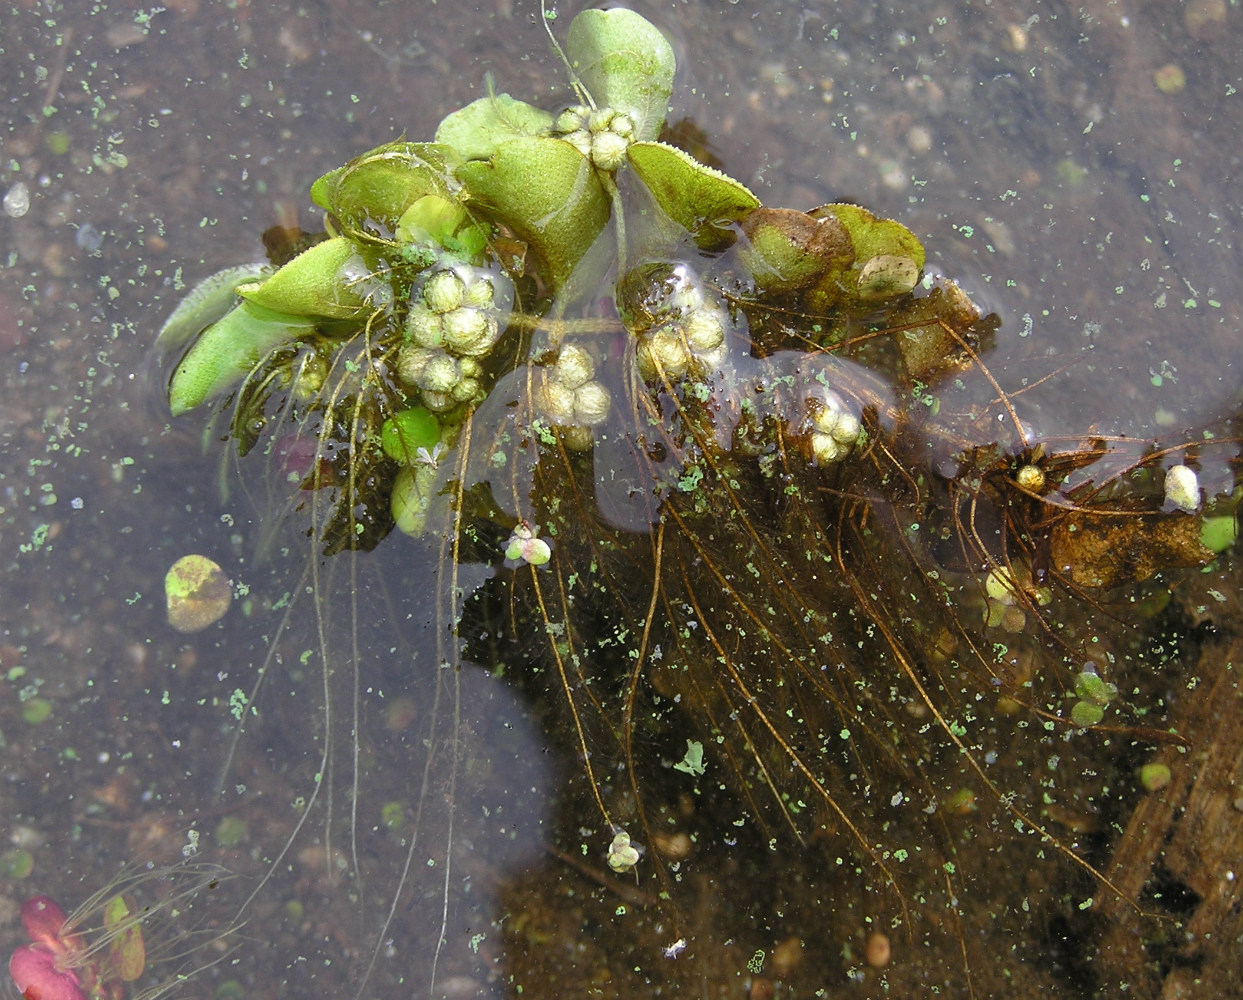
[1029, 146]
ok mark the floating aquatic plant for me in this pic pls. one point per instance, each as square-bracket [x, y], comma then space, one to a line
[758, 532]
[108, 942]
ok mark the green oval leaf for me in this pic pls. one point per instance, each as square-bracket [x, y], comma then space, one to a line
[127, 952]
[625, 63]
[1086, 714]
[1218, 533]
[703, 201]
[547, 193]
[404, 433]
[369, 194]
[411, 497]
[227, 350]
[1090, 686]
[332, 279]
[477, 130]
[205, 303]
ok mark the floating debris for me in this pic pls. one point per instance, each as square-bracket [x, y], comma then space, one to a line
[198, 593]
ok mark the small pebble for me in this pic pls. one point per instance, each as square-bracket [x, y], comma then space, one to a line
[876, 950]
[1170, 79]
[1182, 488]
[1015, 38]
[761, 988]
[787, 957]
[1202, 17]
[892, 175]
[1154, 776]
[17, 201]
[919, 139]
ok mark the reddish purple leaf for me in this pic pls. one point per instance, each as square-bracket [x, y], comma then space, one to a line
[34, 973]
[43, 920]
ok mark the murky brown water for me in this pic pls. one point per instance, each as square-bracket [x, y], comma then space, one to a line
[1028, 146]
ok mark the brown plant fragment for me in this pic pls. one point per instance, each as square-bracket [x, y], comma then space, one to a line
[1106, 552]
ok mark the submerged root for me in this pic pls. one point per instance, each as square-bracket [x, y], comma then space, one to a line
[857, 670]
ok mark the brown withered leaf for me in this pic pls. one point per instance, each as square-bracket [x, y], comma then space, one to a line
[934, 330]
[1098, 551]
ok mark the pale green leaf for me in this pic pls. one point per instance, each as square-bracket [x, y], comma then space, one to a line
[693, 761]
[625, 63]
[227, 351]
[369, 194]
[442, 222]
[411, 497]
[888, 259]
[205, 303]
[332, 279]
[478, 129]
[703, 201]
[547, 193]
[127, 953]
